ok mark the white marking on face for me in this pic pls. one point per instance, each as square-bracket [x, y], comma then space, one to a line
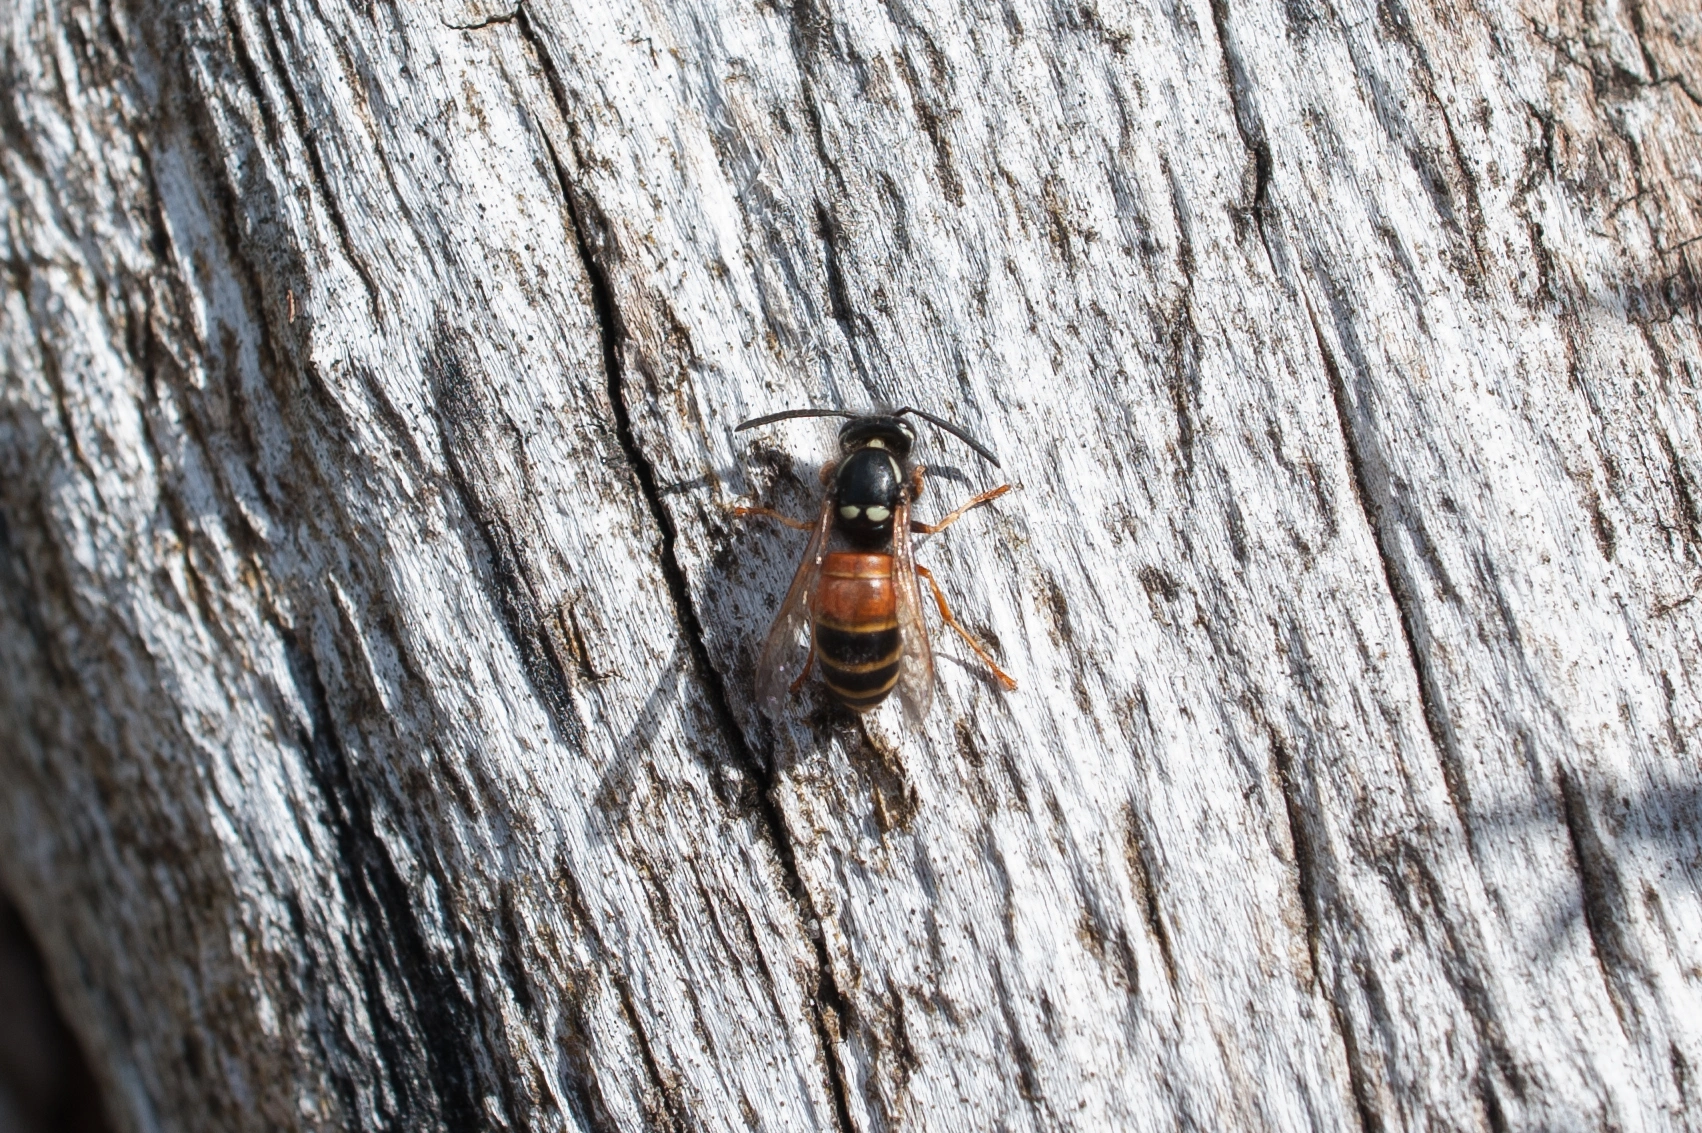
[878, 514]
[850, 511]
[876, 442]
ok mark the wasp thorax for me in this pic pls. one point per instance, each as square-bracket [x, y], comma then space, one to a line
[867, 491]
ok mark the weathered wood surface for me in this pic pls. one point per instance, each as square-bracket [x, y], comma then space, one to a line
[379, 748]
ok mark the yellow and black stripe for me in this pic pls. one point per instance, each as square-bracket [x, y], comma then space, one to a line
[859, 666]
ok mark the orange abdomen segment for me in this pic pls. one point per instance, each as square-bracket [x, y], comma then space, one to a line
[855, 615]
[855, 591]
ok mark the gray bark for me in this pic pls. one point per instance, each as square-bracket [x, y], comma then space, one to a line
[377, 740]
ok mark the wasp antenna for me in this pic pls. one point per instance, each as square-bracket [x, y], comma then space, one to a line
[982, 450]
[788, 414]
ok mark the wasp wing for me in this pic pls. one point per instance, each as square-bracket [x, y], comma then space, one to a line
[782, 661]
[916, 666]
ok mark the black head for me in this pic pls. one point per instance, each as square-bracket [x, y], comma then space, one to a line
[893, 434]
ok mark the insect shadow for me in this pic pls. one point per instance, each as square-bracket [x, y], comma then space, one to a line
[616, 785]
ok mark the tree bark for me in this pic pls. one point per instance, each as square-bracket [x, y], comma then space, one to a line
[379, 747]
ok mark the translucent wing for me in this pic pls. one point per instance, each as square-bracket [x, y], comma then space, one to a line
[916, 666]
[782, 659]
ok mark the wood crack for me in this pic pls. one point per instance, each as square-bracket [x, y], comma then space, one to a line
[829, 1000]
[1248, 125]
[321, 182]
[1406, 603]
[1423, 899]
[54, 376]
[1601, 891]
[1307, 868]
[827, 227]
[1640, 29]
[466, 432]
[808, 28]
[668, 1110]
[488, 21]
[444, 1091]
[1144, 873]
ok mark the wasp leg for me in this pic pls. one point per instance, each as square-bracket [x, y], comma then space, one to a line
[936, 528]
[803, 676]
[917, 487]
[772, 514]
[827, 471]
[1003, 677]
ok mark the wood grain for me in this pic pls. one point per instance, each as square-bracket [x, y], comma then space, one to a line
[380, 748]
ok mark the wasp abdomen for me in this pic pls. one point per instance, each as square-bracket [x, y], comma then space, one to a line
[855, 612]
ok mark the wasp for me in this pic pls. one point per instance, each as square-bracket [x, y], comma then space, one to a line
[856, 587]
